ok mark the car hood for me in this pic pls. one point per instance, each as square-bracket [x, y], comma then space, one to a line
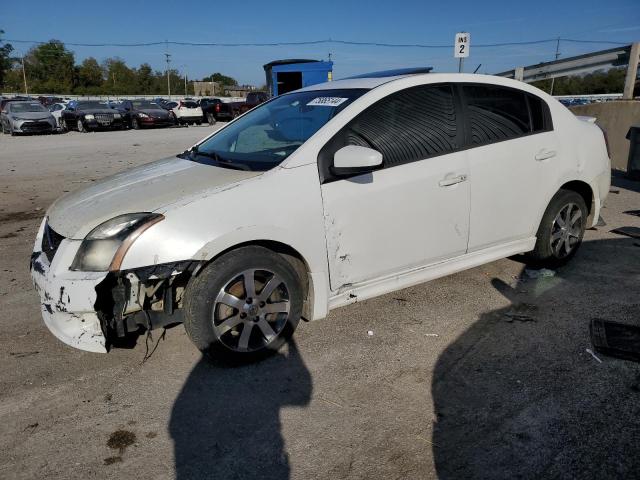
[146, 188]
[154, 112]
[32, 115]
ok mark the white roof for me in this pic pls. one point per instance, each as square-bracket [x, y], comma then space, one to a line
[420, 78]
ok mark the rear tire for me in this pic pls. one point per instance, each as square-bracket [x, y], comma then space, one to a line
[561, 230]
[211, 119]
[243, 306]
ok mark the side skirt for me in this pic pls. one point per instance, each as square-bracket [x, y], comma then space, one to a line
[349, 294]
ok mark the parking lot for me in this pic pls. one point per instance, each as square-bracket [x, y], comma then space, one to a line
[440, 380]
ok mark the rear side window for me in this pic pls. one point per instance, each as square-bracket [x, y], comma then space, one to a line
[498, 113]
[409, 125]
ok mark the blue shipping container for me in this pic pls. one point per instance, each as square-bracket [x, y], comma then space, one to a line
[287, 75]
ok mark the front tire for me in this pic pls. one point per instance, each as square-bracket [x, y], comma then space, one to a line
[135, 124]
[244, 305]
[561, 230]
[80, 126]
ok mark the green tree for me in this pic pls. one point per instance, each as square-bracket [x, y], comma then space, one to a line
[144, 80]
[50, 68]
[90, 77]
[220, 78]
[119, 78]
[595, 83]
[6, 61]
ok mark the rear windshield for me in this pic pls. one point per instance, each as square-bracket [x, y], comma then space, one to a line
[82, 105]
[23, 107]
[141, 104]
[189, 104]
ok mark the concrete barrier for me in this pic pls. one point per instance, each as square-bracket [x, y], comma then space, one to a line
[616, 118]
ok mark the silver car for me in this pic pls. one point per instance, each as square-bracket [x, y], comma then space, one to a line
[26, 117]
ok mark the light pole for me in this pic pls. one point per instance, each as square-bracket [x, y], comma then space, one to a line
[24, 77]
[168, 57]
[184, 67]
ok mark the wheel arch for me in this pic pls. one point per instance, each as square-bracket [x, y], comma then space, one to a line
[585, 190]
[290, 254]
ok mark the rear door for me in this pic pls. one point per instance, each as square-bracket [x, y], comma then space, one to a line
[414, 210]
[512, 162]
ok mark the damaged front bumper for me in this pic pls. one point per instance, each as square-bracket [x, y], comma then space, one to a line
[94, 311]
[67, 298]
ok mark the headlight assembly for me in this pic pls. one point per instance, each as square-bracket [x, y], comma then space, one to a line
[105, 246]
[143, 115]
[116, 115]
[89, 116]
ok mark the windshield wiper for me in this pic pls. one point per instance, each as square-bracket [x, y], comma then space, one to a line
[222, 161]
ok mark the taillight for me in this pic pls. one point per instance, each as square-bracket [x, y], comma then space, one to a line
[217, 107]
[606, 140]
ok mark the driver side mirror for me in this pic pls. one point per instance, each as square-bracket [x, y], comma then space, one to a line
[354, 160]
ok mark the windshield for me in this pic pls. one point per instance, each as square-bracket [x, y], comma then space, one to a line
[23, 107]
[83, 105]
[267, 135]
[139, 104]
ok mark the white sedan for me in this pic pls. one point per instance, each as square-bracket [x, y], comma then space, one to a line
[316, 199]
[56, 110]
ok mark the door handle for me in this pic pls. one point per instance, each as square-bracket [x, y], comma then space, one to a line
[545, 155]
[447, 182]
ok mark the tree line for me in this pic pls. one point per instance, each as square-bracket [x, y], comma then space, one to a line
[51, 68]
[596, 83]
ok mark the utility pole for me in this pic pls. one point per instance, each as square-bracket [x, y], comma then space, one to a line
[553, 80]
[168, 58]
[24, 77]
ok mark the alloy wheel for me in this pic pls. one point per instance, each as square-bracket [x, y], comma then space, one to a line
[251, 310]
[566, 230]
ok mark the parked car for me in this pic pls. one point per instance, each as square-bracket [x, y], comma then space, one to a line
[144, 113]
[26, 117]
[6, 100]
[214, 109]
[56, 110]
[316, 199]
[187, 112]
[87, 115]
[48, 101]
[253, 100]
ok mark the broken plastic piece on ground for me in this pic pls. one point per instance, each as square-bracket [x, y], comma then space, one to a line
[614, 190]
[370, 333]
[542, 273]
[633, 232]
[616, 339]
[590, 352]
[431, 335]
[601, 222]
[635, 213]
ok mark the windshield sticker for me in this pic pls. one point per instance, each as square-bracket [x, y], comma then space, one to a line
[327, 101]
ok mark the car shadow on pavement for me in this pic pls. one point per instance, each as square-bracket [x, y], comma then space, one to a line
[225, 423]
[518, 396]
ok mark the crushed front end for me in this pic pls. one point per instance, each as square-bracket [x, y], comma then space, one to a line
[95, 311]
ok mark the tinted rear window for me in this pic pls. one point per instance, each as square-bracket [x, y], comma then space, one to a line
[496, 113]
[189, 104]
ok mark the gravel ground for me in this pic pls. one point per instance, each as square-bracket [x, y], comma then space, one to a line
[449, 385]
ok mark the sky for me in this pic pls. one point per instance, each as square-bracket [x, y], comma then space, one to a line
[388, 21]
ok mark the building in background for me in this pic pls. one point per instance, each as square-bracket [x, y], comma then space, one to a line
[206, 89]
[287, 75]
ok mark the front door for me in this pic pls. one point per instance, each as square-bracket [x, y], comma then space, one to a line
[415, 210]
